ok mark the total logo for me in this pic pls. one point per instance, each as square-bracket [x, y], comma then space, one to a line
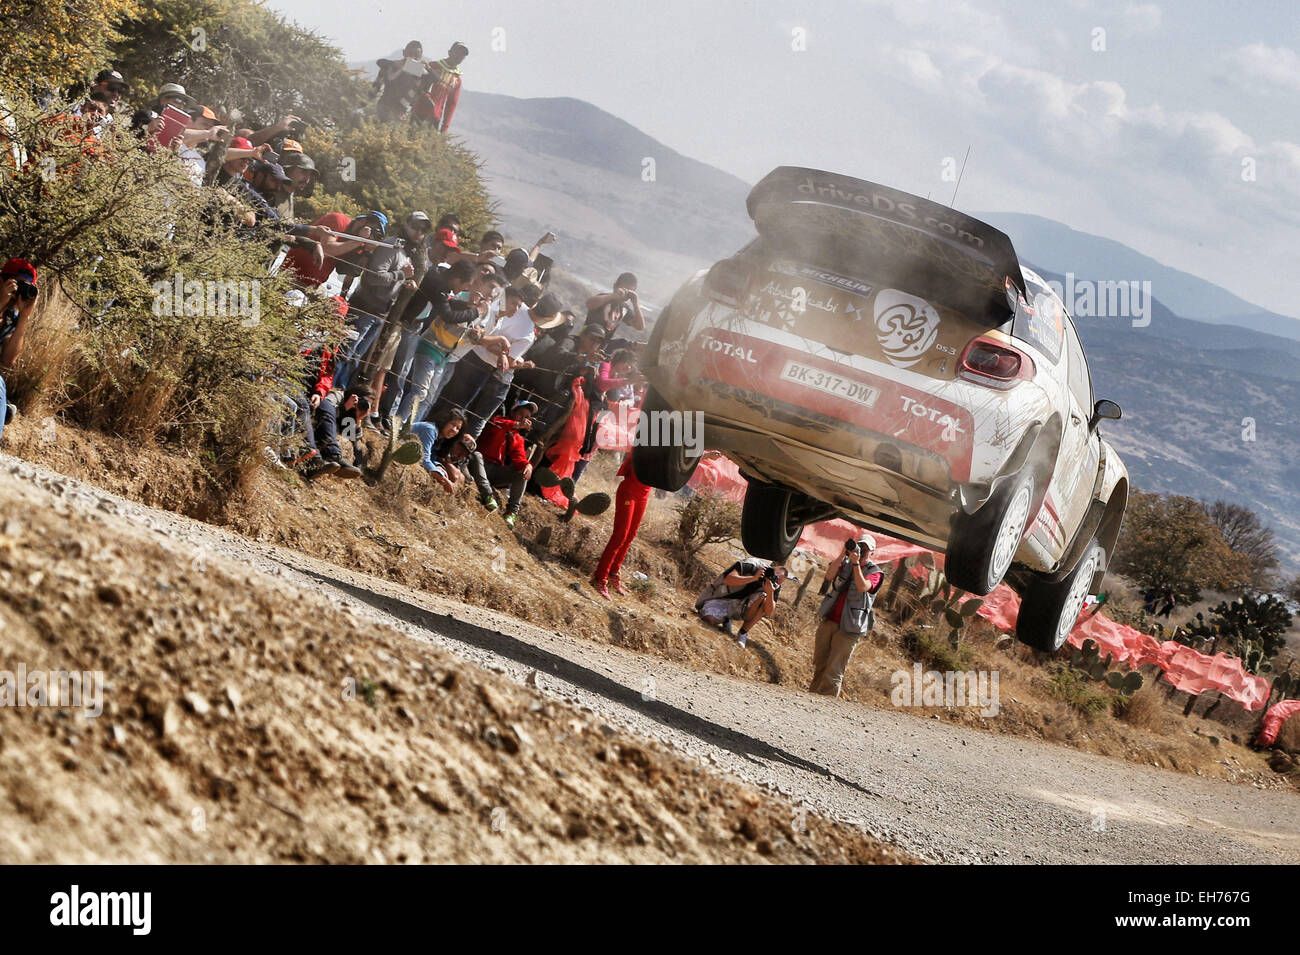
[738, 352]
[950, 426]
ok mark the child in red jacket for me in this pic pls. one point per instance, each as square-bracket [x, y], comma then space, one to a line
[501, 460]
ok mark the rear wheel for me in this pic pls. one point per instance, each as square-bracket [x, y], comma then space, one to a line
[666, 465]
[769, 528]
[1048, 611]
[982, 545]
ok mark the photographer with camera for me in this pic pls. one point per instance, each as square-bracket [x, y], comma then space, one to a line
[621, 306]
[845, 614]
[17, 301]
[398, 82]
[746, 591]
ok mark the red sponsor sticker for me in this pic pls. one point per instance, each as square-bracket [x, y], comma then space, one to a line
[835, 390]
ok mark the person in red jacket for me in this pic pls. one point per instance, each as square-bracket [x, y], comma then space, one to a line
[501, 460]
[441, 90]
[629, 508]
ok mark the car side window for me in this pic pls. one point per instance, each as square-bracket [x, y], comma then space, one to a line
[1039, 321]
[1080, 380]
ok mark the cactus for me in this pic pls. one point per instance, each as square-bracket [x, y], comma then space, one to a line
[1087, 660]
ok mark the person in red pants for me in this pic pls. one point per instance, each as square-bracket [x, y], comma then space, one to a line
[629, 507]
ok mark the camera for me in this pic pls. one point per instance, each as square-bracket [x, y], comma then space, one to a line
[26, 290]
[769, 574]
[850, 547]
[298, 129]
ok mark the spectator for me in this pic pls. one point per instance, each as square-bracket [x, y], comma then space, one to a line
[302, 179]
[501, 460]
[235, 160]
[351, 407]
[399, 330]
[746, 591]
[18, 291]
[351, 265]
[173, 94]
[482, 378]
[453, 325]
[441, 90]
[436, 439]
[111, 85]
[630, 502]
[301, 264]
[610, 310]
[386, 270]
[845, 615]
[398, 82]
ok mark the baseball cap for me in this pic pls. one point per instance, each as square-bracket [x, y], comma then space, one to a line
[274, 170]
[112, 77]
[19, 268]
[175, 89]
[202, 112]
[447, 238]
[299, 159]
[291, 146]
[523, 404]
[867, 541]
[239, 142]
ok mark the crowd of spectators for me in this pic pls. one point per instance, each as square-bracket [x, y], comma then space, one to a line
[455, 341]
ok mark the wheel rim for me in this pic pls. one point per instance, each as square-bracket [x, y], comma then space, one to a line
[1074, 600]
[1009, 534]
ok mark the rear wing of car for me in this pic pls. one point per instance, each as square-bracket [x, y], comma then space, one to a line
[846, 224]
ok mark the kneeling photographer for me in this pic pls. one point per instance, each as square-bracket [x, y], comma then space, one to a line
[845, 614]
[746, 591]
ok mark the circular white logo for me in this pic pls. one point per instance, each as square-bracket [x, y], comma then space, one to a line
[906, 326]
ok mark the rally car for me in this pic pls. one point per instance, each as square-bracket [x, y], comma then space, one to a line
[879, 357]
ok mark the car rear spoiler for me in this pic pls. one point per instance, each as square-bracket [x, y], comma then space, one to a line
[841, 223]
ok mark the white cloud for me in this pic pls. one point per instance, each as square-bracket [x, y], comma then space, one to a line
[1275, 66]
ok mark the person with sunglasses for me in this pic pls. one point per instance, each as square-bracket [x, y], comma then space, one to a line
[18, 292]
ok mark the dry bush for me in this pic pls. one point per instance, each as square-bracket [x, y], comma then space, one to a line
[1146, 709]
[706, 517]
[40, 376]
[1288, 737]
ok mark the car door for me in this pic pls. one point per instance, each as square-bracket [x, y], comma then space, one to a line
[1076, 467]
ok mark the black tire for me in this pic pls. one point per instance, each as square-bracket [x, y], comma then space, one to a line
[1048, 611]
[669, 466]
[767, 528]
[982, 545]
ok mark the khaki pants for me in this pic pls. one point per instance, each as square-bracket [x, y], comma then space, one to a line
[832, 648]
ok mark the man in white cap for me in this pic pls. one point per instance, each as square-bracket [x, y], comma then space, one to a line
[845, 614]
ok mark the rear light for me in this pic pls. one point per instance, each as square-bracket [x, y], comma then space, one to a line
[994, 364]
[729, 281]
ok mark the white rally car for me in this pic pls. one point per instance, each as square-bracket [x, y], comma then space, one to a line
[879, 357]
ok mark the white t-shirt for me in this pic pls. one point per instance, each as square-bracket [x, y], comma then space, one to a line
[520, 332]
[487, 322]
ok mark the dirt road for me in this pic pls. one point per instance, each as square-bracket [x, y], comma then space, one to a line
[941, 792]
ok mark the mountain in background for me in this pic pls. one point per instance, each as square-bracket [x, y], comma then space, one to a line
[1186, 384]
[619, 200]
[1045, 240]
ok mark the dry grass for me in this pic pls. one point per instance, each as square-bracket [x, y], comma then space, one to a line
[38, 381]
[1147, 709]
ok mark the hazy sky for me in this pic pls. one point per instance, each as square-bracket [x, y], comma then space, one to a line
[1148, 132]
